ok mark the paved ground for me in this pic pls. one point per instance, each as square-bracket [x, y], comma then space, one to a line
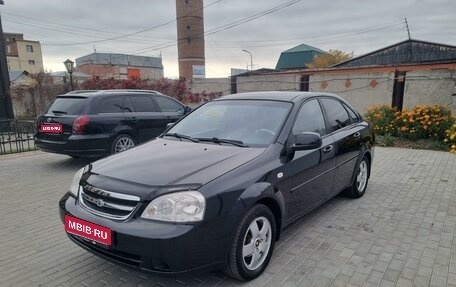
[401, 233]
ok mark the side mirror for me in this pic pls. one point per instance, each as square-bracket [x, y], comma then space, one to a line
[187, 109]
[169, 125]
[305, 141]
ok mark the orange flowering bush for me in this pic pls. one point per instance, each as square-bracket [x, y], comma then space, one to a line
[382, 118]
[450, 138]
[421, 122]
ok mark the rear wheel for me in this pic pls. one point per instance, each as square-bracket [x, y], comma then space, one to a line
[359, 185]
[252, 245]
[122, 143]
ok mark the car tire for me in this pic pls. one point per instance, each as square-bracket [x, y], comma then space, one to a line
[121, 143]
[256, 235]
[361, 178]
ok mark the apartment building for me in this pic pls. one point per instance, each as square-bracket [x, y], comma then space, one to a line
[23, 55]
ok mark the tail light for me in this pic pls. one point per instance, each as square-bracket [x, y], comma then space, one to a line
[80, 124]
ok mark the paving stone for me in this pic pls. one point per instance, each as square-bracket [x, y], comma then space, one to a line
[401, 233]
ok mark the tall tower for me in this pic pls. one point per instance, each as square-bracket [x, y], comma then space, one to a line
[190, 38]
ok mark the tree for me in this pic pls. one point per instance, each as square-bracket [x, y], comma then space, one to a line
[331, 58]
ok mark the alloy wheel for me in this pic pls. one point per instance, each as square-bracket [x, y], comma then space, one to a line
[257, 242]
[361, 178]
[123, 144]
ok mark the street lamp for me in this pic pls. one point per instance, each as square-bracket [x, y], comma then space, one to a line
[251, 58]
[69, 65]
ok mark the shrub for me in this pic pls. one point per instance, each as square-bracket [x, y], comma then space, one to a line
[450, 138]
[382, 118]
[423, 122]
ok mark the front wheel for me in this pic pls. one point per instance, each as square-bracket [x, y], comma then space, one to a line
[252, 245]
[359, 185]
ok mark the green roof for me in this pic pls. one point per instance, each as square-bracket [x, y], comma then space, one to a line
[298, 57]
[303, 48]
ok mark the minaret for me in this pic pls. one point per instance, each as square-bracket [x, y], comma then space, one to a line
[190, 38]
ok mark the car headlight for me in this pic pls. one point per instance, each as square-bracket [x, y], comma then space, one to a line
[74, 185]
[186, 206]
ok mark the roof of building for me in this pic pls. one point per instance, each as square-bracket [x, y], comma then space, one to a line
[120, 60]
[303, 48]
[75, 74]
[14, 75]
[256, 72]
[297, 57]
[410, 51]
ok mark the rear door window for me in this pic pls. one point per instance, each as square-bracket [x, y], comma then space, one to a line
[67, 106]
[111, 105]
[353, 115]
[336, 114]
[143, 103]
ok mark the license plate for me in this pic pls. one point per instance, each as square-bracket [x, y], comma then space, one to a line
[51, 128]
[88, 230]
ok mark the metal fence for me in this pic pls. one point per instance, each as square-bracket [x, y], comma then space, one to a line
[16, 136]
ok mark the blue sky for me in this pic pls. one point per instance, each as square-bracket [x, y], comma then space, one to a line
[351, 25]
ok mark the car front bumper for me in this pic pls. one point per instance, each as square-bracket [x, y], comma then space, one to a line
[152, 246]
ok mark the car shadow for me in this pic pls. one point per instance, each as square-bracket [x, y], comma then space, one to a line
[69, 163]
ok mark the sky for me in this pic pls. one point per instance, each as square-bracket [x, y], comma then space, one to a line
[71, 29]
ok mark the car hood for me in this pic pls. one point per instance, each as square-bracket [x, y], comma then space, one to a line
[166, 163]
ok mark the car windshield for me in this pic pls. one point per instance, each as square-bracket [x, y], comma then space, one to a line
[246, 122]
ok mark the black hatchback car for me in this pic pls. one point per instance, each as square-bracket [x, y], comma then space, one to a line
[98, 123]
[217, 189]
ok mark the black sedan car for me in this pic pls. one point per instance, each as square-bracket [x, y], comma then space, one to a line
[98, 123]
[216, 190]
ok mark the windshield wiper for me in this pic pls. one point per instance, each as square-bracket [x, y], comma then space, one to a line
[58, 112]
[181, 136]
[220, 141]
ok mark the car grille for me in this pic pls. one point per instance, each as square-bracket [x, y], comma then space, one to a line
[107, 203]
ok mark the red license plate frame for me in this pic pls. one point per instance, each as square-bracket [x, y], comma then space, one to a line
[51, 128]
[88, 230]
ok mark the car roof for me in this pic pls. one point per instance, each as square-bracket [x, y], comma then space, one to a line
[100, 93]
[276, 96]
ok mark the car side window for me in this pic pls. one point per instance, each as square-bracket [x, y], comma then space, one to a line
[111, 105]
[310, 119]
[128, 106]
[336, 114]
[168, 105]
[143, 103]
[353, 115]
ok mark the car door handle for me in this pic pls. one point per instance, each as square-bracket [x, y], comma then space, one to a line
[133, 119]
[356, 135]
[328, 149]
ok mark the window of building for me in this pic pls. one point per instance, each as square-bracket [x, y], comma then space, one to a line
[188, 27]
[189, 40]
[31, 62]
[186, 2]
[29, 48]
